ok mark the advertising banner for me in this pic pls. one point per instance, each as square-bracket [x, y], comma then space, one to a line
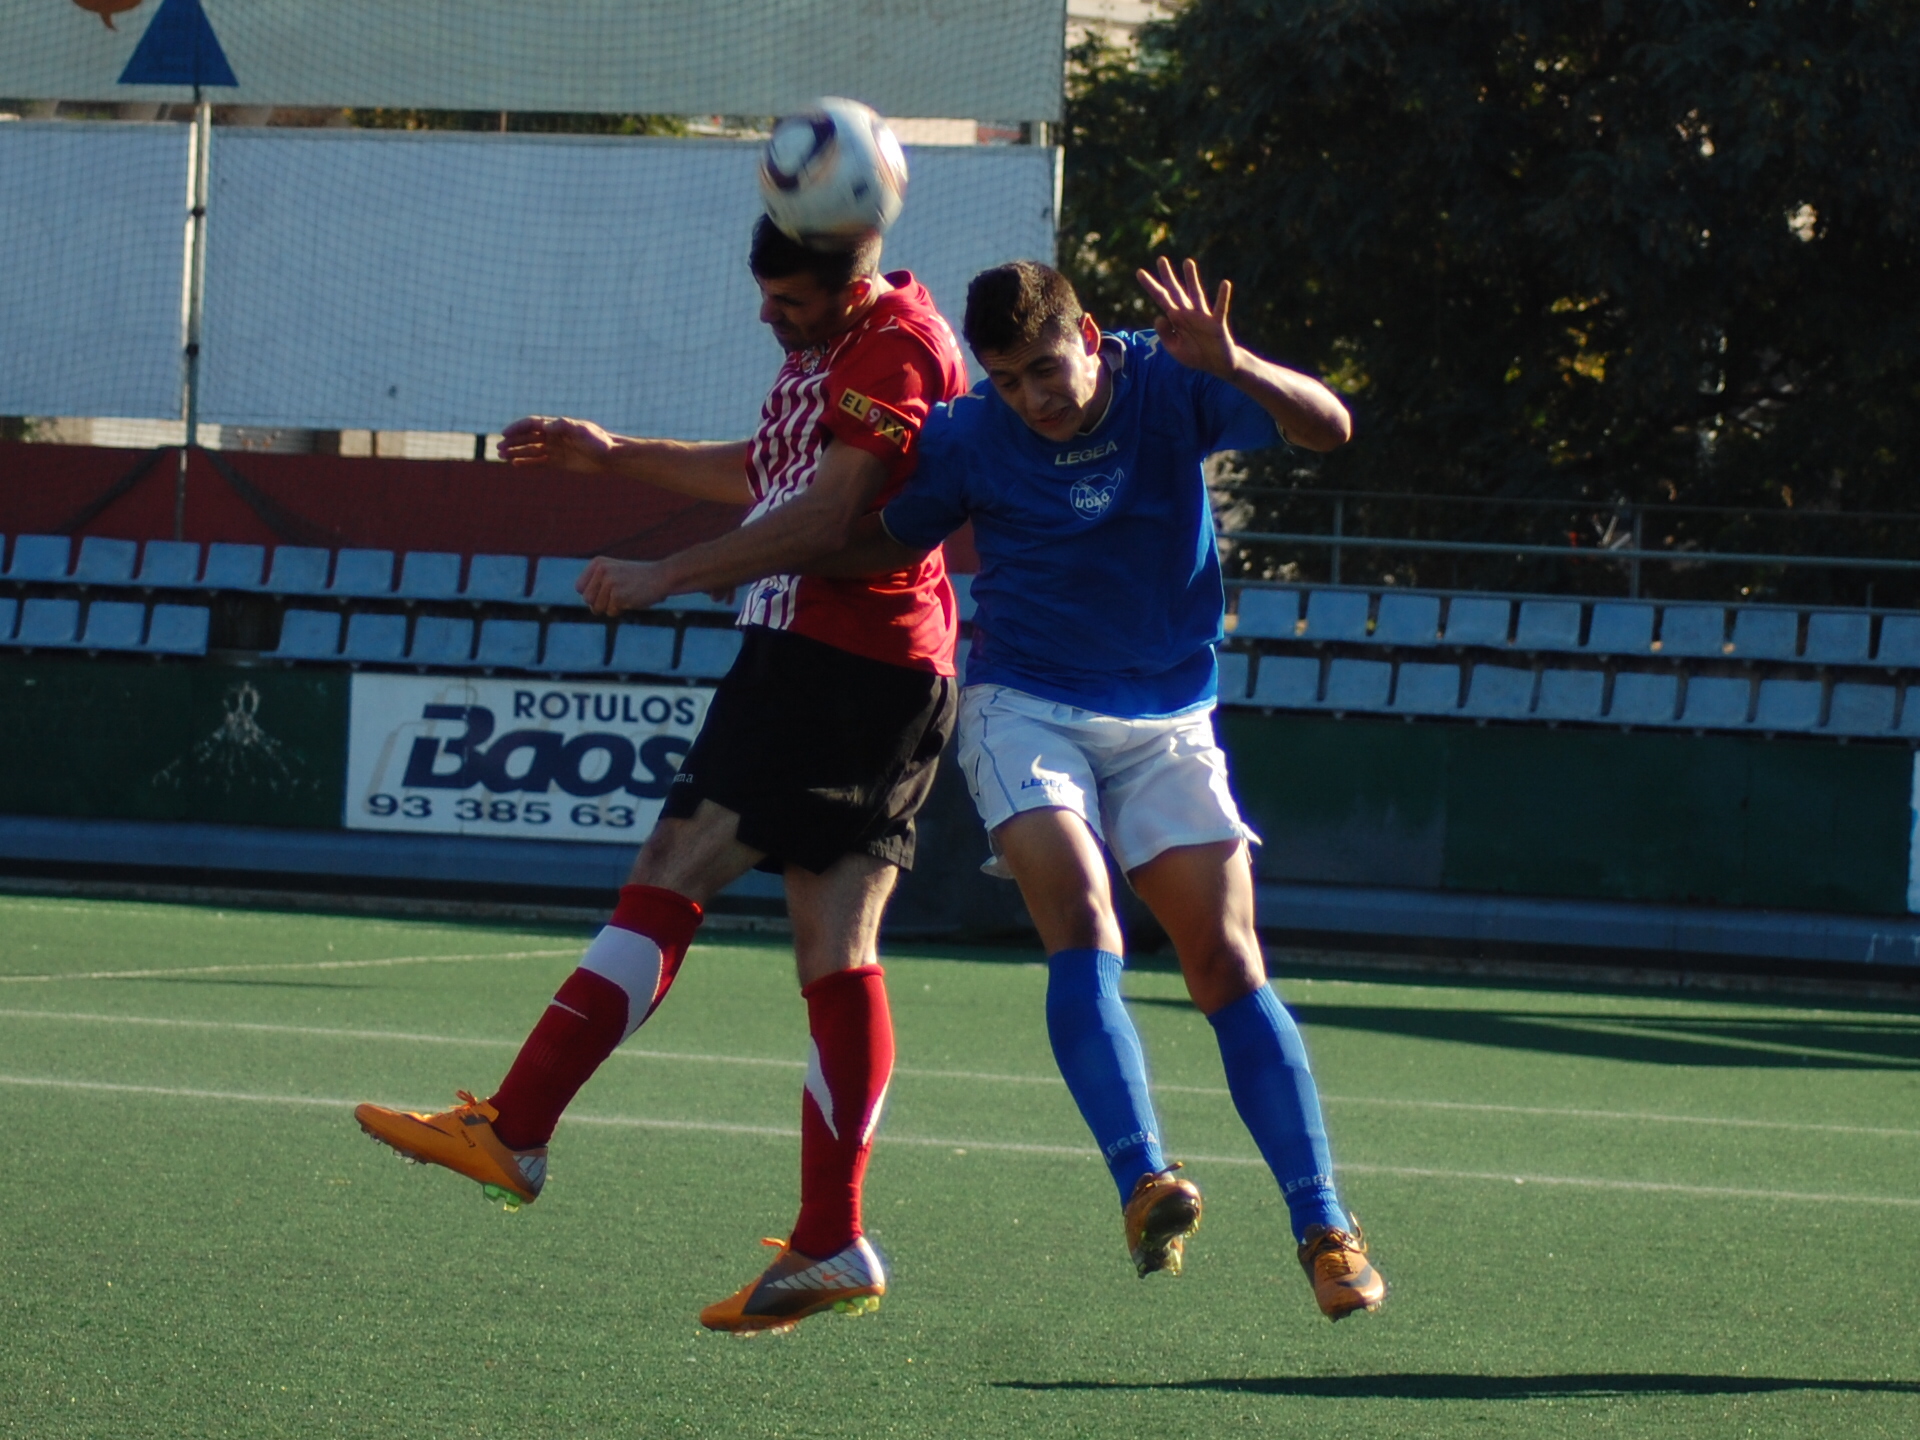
[529, 759]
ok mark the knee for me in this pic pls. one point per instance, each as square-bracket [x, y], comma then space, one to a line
[1223, 972]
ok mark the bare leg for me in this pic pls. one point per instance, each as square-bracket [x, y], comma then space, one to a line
[697, 857]
[1202, 895]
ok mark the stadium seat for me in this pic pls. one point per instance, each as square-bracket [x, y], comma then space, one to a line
[233, 567]
[376, 639]
[1337, 615]
[1717, 702]
[362, 572]
[496, 577]
[1835, 637]
[440, 640]
[1548, 625]
[9, 617]
[1765, 635]
[298, 570]
[178, 630]
[114, 625]
[1268, 615]
[553, 578]
[1899, 641]
[642, 650]
[708, 652]
[1570, 695]
[1286, 682]
[1472, 620]
[48, 622]
[1787, 705]
[1407, 620]
[105, 562]
[701, 603]
[574, 649]
[429, 575]
[1620, 628]
[1235, 673]
[1358, 684]
[1698, 631]
[1909, 725]
[1499, 692]
[1858, 709]
[965, 649]
[508, 644]
[1424, 689]
[308, 635]
[169, 564]
[963, 596]
[1642, 699]
[39, 557]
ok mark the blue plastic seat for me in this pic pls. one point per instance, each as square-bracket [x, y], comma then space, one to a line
[378, 639]
[1287, 682]
[508, 644]
[1909, 725]
[1858, 709]
[105, 562]
[48, 622]
[1620, 628]
[39, 557]
[1424, 689]
[1235, 674]
[1642, 699]
[172, 564]
[1474, 620]
[1570, 695]
[1899, 641]
[965, 649]
[1765, 634]
[1499, 692]
[1407, 620]
[496, 577]
[1358, 685]
[1787, 705]
[1835, 637]
[429, 575]
[441, 640]
[1548, 625]
[1717, 702]
[1337, 615]
[708, 652]
[362, 572]
[642, 650]
[234, 567]
[308, 635]
[9, 617]
[963, 596]
[114, 625]
[298, 570]
[1268, 615]
[553, 578]
[1693, 630]
[574, 649]
[178, 630]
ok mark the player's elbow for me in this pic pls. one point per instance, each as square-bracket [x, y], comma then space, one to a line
[1329, 430]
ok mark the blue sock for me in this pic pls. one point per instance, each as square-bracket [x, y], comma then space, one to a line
[1274, 1092]
[1099, 1055]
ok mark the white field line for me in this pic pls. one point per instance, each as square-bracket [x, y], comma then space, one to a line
[982, 1077]
[1004, 1147]
[295, 965]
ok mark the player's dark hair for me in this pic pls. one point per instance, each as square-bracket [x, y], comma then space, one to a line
[776, 255]
[1011, 306]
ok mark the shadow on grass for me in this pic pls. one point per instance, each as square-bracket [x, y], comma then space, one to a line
[1481, 1387]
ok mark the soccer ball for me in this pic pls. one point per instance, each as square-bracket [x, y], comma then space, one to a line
[832, 175]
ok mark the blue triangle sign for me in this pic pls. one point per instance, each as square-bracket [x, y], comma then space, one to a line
[179, 48]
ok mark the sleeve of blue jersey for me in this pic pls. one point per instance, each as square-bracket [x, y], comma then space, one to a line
[932, 504]
[1231, 419]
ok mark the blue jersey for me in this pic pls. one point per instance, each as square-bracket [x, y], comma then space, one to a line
[1099, 582]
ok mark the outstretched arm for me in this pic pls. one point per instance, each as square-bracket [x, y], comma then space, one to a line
[871, 550]
[1195, 333]
[706, 470]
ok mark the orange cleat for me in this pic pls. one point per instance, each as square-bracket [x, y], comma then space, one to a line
[461, 1139]
[1163, 1212]
[795, 1286]
[1337, 1267]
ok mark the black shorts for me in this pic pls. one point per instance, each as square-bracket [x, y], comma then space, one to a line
[821, 753]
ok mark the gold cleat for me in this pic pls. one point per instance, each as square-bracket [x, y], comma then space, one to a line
[1162, 1213]
[1337, 1267]
[795, 1286]
[461, 1139]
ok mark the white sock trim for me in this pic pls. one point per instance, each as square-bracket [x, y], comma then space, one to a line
[630, 961]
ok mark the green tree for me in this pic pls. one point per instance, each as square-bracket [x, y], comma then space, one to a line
[1577, 249]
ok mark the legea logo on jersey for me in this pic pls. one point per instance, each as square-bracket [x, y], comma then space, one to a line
[1092, 494]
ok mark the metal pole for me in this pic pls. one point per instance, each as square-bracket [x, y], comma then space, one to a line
[196, 286]
[1339, 524]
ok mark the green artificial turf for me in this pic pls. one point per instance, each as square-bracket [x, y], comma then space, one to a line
[219, 1263]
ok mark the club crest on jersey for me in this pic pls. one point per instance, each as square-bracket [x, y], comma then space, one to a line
[1092, 494]
[877, 418]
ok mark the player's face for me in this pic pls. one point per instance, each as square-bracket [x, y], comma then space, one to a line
[1056, 384]
[802, 312]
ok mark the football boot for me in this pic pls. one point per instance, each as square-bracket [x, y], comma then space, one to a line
[795, 1286]
[1162, 1213]
[461, 1139]
[1336, 1264]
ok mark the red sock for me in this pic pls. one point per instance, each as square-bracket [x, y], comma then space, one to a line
[847, 1074]
[623, 976]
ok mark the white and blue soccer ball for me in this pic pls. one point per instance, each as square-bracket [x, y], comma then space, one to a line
[833, 174]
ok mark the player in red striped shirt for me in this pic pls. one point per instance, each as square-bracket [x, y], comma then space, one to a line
[818, 749]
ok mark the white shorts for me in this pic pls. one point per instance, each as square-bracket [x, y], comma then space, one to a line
[1142, 786]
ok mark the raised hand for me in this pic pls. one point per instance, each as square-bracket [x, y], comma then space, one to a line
[1192, 331]
[578, 445]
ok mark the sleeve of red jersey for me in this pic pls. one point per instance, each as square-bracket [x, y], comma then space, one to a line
[878, 398]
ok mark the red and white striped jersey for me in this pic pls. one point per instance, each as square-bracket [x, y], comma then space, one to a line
[870, 386]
